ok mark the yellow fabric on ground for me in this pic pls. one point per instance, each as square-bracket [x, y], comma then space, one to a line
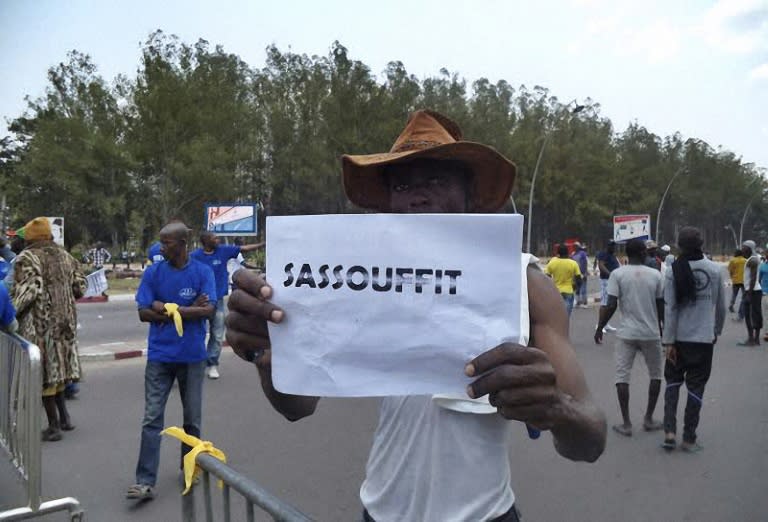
[198, 446]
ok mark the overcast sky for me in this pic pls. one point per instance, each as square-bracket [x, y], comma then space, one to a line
[697, 67]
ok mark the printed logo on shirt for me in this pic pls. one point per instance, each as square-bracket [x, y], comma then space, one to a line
[216, 262]
[187, 293]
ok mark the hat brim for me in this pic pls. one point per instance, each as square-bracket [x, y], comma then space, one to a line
[492, 180]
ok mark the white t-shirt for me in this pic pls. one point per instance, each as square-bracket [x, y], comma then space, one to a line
[748, 273]
[442, 457]
[637, 287]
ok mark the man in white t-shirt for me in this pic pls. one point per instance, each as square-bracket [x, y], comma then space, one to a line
[638, 292]
[432, 460]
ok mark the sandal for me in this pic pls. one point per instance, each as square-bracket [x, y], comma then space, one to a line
[652, 425]
[691, 447]
[51, 435]
[140, 492]
[622, 430]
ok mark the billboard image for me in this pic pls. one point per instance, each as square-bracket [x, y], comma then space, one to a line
[634, 226]
[231, 219]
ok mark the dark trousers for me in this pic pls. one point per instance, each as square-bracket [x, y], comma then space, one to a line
[735, 289]
[693, 367]
[753, 310]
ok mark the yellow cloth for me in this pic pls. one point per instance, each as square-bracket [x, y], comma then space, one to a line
[191, 470]
[39, 229]
[563, 271]
[172, 310]
[736, 270]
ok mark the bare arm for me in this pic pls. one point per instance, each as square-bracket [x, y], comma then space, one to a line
[543, 386]
[247, 333]
[606, 312]
[251, 248]
[754, 266]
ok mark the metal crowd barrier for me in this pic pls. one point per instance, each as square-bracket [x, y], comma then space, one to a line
[253, 494]
[20, 425]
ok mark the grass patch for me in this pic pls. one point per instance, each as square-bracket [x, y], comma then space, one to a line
[127, 285]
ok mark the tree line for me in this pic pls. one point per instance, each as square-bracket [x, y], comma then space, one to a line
[198, 124]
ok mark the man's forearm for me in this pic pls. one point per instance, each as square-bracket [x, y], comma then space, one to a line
[581, 433]
[196, 312]
[292, 407]
[147, 315]
[606, 312]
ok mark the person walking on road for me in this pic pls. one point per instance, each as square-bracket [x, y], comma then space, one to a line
[606, 263]
[216, 257]
[47, 282]
[736, 272]
[638, 291]
[173, 297]
[7, 312]
[566, 275]
[581, 258]
[446, 459]
[753, 295]
[99, 256]
[693, 320]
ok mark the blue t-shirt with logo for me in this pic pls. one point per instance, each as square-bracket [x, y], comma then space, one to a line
[217, 260]
[163, 282]
[154, 254]
[7, 311]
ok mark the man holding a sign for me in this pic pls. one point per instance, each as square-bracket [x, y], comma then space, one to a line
[435, 455]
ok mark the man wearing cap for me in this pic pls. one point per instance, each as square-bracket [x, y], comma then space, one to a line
[430, 461]
[652, 259]
[47, 281]
[753, 295]
[580, 256]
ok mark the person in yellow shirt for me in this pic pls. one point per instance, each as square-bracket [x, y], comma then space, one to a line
[736, 271]
[566, 275]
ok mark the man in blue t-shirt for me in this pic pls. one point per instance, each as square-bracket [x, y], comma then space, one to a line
[154, 254]
[606, 263]
[173, 297]
[216, 256]
[7, 311]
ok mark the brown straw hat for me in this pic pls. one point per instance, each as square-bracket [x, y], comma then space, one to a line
[431, 135]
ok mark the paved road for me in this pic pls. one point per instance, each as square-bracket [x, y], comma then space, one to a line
[318, 463]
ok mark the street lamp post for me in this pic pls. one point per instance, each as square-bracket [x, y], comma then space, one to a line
[743, 219]
[661, 203]
[735, 241]
[575, 110]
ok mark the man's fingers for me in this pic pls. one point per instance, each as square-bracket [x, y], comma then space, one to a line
[507, 353]
[246, 324]
[243, 342]
[511, 377]
[247, 304]
[252, 284]
[511, 398]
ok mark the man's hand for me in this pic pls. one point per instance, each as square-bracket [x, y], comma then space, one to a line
[599, 335]
[249, 311]
[671, 353]
[520, 382]
[201, 300]
[158, 307]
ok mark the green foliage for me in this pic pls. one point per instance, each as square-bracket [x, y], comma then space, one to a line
[198, 124]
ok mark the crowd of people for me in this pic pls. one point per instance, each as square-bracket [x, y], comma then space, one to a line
[671, 311]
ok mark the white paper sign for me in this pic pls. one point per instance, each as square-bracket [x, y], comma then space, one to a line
[388, 304]
[97, 283]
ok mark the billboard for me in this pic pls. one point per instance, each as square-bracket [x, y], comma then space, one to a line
[231, 219]
[632, 226]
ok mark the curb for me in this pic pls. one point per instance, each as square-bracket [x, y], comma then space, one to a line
[94, 299]
[112, 356]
